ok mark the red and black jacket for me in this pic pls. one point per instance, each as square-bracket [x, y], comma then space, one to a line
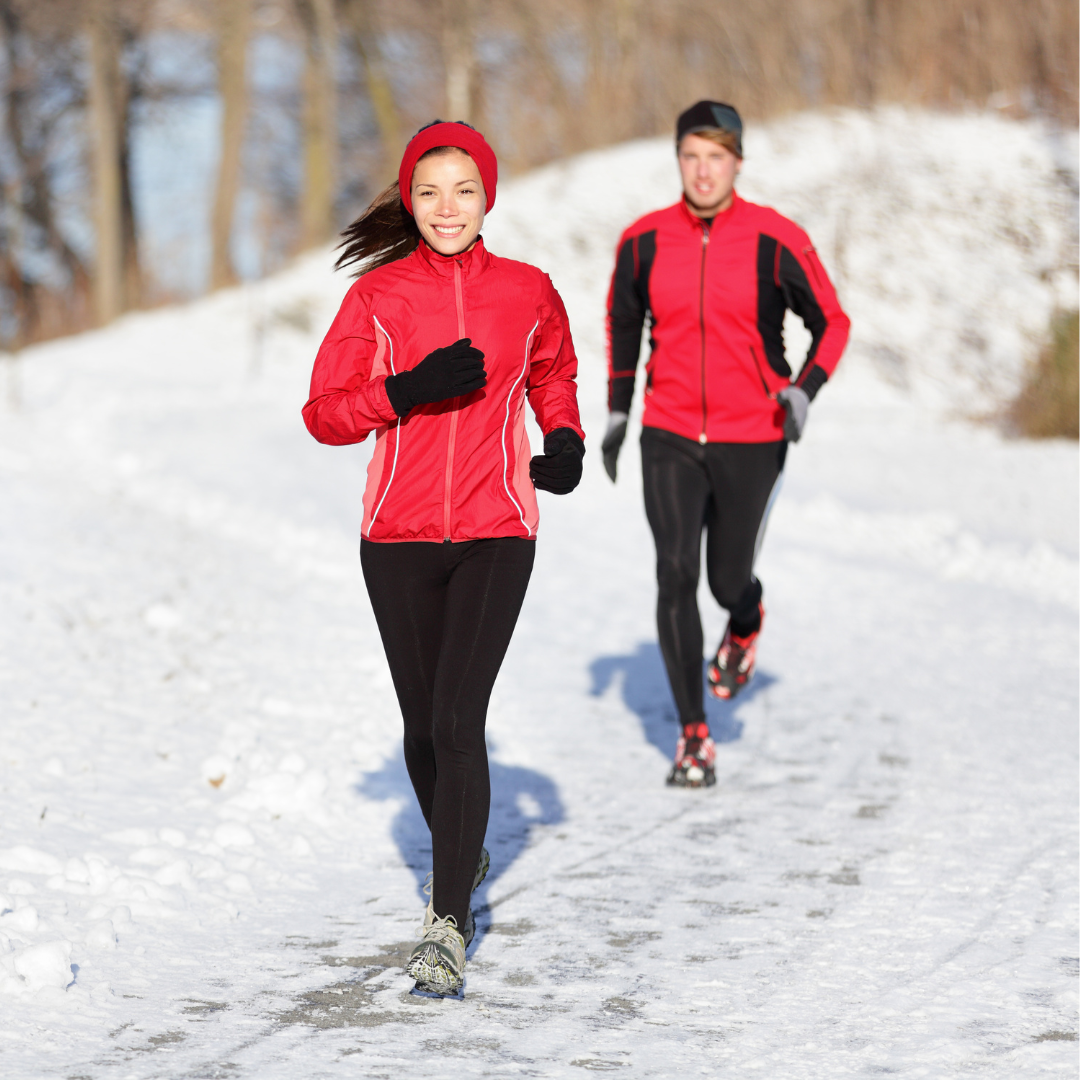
[715, 296]
[458, 469]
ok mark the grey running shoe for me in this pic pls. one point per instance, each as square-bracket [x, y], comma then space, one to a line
[482, 867]
[468, 931]
[438, 962]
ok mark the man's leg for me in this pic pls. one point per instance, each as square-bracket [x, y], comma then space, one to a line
[744, 479]
[676, 497]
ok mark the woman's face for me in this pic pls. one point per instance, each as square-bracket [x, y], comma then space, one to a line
[448, 201]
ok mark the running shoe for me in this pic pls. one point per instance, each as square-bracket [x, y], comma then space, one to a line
[733, 665]
[695, 758]
[469, 929]
[438, 962]
[482, 868]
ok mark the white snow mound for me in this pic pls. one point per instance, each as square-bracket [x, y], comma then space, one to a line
[951, 239]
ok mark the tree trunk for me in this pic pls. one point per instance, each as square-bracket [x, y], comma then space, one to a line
[459, 59]
[132, 292]
[233, 27]
[362, 21]
[319, 123]
[105, 122]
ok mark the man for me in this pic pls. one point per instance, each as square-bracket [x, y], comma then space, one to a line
[714, 275]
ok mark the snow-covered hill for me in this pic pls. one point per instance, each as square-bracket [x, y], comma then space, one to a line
[951, 239]
[209, 855]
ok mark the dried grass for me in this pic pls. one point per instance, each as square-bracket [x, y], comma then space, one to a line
[1048, 406]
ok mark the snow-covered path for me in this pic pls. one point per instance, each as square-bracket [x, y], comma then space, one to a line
[210, 859]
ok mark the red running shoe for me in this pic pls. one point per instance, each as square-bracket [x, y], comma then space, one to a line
[733, 665]
[695, 758]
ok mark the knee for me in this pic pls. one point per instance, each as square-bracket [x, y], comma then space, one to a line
[458, 738]
[417, 743]
[676, 576]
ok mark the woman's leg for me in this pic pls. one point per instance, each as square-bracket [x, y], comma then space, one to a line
[676, 499]
[487, 584]
[407, 584]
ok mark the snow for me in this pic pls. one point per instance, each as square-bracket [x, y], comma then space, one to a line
[210, 856]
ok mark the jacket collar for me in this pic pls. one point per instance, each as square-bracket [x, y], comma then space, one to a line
[719, 221]
[473, 262]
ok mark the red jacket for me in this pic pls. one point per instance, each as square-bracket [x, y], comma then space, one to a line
[457, 469]
[716, 296]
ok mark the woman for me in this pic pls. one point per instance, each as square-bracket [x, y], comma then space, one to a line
[435, 349]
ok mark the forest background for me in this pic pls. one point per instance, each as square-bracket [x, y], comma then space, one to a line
[152, 150]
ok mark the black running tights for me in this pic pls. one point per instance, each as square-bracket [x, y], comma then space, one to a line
[446, 613]
[725, 489]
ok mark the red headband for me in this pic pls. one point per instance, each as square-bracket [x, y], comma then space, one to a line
[448, 134]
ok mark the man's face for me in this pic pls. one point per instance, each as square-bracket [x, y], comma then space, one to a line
[708, 174]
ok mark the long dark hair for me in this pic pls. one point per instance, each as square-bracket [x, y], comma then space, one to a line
[385, 231]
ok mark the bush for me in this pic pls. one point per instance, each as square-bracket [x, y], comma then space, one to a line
[1049, 404]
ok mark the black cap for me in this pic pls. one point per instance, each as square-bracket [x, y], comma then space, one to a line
[708, 116]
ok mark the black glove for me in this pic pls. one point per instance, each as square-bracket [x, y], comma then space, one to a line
[558, 469]
[613, 440]
[445, 373]
[796, 404]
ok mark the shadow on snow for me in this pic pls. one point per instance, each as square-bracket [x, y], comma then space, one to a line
[520, 799]
[646, 692]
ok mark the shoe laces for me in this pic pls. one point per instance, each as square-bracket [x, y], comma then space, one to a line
[443, 930]
[692, 738]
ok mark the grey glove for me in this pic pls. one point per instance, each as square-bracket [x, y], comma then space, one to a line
[613, 440]
[796, 405]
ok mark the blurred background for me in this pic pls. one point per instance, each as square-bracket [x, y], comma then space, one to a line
[153, 150]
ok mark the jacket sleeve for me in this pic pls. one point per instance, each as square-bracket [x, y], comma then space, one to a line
[810, 294]
[346, 402]
[627, 308]
[552, 380]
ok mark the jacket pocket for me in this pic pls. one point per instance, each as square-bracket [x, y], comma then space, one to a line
[770, 394]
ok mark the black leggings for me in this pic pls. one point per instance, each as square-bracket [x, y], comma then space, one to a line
[724, 488]
[446, 613]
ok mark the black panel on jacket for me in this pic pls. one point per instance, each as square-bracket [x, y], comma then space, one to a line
[629, 308]
[782, 284]
[801, 299]
[812, 379]
[771, 305]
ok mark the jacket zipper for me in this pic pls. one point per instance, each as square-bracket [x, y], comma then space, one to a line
[761, 374]
[453, 412]
[703, 438]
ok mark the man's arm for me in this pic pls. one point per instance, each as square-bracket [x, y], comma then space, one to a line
[810, 294]
[627, 309]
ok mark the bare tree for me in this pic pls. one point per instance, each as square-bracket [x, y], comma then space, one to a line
[319, 124]
[459, 58]
[362, 19]
[44, 284]
[105, 123]
[234, 19]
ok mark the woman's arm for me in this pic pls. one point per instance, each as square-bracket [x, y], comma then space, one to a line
[348, 399]
[551, 385]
